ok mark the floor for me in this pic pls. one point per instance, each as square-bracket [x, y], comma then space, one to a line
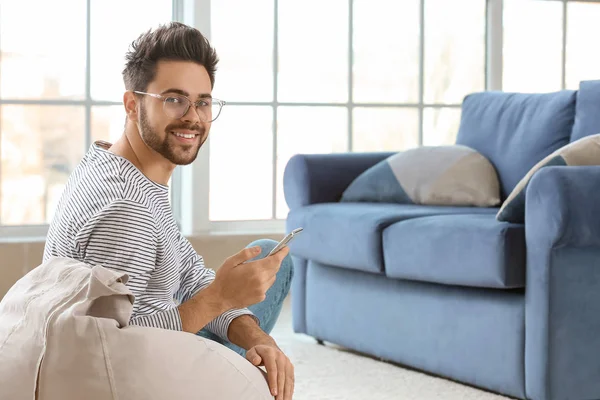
[332, 373]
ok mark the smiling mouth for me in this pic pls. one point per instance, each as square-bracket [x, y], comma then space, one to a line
[185, 135]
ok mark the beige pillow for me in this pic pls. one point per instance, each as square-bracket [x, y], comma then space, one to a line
[430, 175]
[64, 326]
[585, 151]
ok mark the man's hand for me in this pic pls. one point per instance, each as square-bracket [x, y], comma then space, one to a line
[262, 350]
[238, 283]
[280, 371]
[242, 283]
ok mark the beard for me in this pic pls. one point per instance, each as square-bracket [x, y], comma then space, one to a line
[177, 153]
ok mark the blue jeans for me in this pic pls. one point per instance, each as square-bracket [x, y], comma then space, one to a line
[268, 310]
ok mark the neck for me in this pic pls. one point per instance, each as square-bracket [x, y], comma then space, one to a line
[131, 147]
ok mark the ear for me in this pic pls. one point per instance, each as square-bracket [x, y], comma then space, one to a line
[130, 104]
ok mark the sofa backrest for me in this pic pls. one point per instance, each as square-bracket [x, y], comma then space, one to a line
[587, 117]
[516, 130]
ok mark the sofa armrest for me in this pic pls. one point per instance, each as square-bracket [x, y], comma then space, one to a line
[563, 206]
[562, 297]
[322, 178]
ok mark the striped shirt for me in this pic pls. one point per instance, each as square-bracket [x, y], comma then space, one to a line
[113, 215]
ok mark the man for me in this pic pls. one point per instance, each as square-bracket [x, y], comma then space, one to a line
[115, 211]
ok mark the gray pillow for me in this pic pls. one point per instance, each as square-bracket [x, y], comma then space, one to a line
[434, 175]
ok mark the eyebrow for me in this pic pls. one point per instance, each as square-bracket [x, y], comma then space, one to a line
[186, 94]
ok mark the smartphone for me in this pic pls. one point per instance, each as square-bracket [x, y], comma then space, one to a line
[288, 238]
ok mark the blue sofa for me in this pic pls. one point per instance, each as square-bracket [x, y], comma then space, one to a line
[508, 307]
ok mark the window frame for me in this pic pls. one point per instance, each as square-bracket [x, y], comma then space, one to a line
[10, 233]
[195, 221]
[198, 221]
[191, 184]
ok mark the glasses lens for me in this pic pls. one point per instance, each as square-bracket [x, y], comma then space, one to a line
[176, 106]
[215, 110]
[209, 109]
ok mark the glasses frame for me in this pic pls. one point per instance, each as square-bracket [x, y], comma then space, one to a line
[164, 98]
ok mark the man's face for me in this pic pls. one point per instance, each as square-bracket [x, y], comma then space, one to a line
[158, 130]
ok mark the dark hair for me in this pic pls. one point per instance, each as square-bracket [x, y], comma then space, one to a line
[174, 41]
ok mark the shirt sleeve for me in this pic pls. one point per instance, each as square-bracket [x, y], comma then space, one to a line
[123, 237]
[195, 277]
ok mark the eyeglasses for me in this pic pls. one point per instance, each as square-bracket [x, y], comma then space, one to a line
[176, 106]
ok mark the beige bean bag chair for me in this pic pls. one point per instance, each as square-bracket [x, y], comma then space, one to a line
[64, 335]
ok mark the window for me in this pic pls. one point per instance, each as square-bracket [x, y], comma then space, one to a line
[299, 76]
[363, 75]
[532, 52]
[547, 44]
[60, 89]
[582, 29]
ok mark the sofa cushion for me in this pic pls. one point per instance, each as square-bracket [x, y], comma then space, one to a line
[349, 234]
[468, 250]
[432, 175]
[587, 117]
[515, 130]
[585, 151]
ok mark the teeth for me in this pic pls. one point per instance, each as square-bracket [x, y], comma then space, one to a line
[183, 135]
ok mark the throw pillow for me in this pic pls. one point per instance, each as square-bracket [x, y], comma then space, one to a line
[585, 151]
[433, 175]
